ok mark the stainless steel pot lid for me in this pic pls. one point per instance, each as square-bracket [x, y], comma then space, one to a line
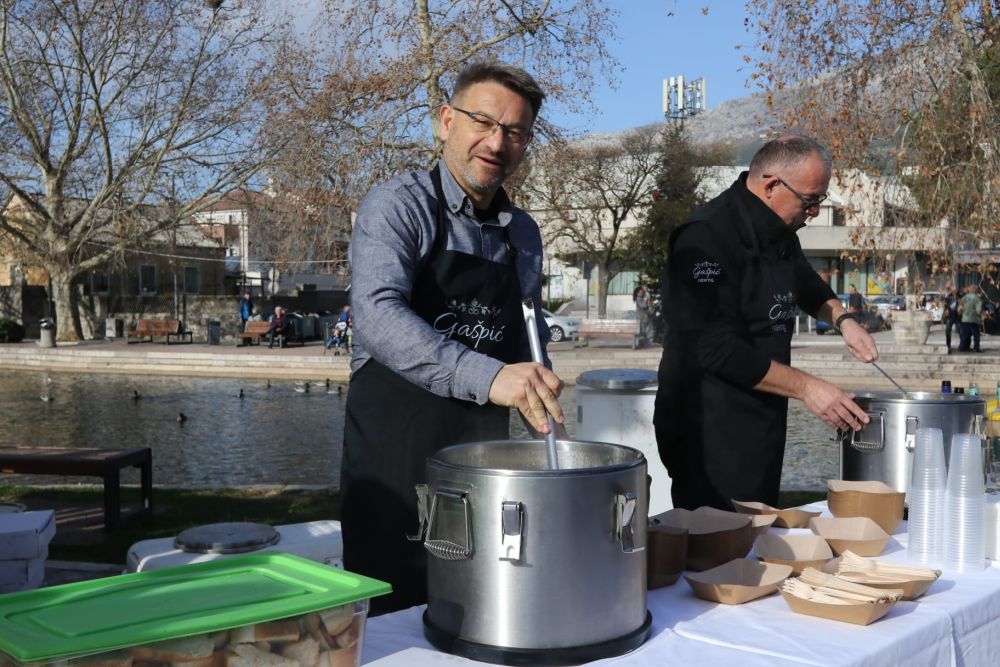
[618, 378]
[226, 538]
[925, 397]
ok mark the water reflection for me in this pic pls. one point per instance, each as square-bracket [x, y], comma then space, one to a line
[272, 436]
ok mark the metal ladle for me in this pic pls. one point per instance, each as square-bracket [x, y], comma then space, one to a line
[528, 306]
[889, 377]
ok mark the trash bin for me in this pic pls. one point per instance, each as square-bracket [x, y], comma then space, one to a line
[114, 327]
[48, 333]
[214, 332]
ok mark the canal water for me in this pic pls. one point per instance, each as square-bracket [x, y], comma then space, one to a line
[274, 435]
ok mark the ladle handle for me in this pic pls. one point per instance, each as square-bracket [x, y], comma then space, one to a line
[535, 344]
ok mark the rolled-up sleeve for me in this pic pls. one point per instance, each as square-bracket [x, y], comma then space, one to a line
[706, 285]
[387, 245]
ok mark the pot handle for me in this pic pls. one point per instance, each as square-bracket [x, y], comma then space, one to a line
[446, 549]
[511, 528]
[628, 536]
[867, 446]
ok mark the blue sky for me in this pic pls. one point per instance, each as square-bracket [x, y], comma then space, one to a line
[652, 46]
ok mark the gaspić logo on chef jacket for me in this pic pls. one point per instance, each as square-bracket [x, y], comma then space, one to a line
[785, 306]
[706, 272]
[471, 323]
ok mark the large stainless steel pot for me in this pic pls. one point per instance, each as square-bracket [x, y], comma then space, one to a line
[533, 565]
[883, 450]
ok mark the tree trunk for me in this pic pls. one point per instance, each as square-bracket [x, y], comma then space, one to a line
[602, 293]
[64, 294]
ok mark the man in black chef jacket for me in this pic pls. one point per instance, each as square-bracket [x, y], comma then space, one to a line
[440, 262]
[734, 282]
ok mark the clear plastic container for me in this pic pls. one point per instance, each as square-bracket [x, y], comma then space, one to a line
[263, 609]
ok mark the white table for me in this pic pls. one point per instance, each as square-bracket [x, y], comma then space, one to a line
[957, 622]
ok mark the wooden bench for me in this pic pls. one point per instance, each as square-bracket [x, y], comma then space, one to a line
[104, 463]
[255, 332]
[628, 329]
[150, 328]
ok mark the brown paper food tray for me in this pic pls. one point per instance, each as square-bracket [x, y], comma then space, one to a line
[759, 523]
[666, 555]
[858, 534]
[713, 538]
[787, 518]
[796, 551]
[738, 581]
[874, 500]
[862, 613]
[912, 588]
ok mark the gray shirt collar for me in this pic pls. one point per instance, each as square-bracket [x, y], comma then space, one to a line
[459, 203]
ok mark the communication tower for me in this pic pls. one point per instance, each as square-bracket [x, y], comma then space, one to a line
[682, 100]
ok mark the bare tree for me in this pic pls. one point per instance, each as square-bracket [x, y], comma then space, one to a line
[118, 119]
[368, 107]
[585, 193]
[907, 91]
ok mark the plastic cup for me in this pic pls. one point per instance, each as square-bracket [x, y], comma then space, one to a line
[965, 539]
[926, 499]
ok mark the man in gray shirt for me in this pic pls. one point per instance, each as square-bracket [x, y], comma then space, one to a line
[440, 262]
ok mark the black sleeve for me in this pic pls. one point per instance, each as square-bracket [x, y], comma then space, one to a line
[813, 290]
[705, 286]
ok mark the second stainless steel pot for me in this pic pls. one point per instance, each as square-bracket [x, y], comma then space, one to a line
[883, 449]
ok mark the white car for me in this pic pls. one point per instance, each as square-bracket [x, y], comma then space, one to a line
[561, 327]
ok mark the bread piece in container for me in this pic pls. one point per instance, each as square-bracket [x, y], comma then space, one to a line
[246, 655]
[304, 651]
[185, 649]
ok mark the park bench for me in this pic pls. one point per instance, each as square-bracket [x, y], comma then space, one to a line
[104, 463]
[150, 328]
[255, 332]
[627, 329]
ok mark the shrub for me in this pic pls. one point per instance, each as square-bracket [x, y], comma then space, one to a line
[11, 331]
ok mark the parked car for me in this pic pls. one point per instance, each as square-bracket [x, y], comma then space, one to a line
[888, 303]
[561, 327]
[933, 303]
[873, 321]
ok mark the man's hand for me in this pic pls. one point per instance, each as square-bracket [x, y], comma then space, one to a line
[531, 388]
[859, 341]
[832, 405]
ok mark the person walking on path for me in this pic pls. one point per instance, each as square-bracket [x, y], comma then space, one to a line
[855, 303]
[734, 283]
[442, 261]
[950, 316]
[971, 309]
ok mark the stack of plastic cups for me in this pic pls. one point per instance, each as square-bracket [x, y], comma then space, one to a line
[926, 499]
[965, 539]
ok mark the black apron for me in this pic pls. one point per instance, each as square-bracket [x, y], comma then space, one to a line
[393, 425]
[721, 442]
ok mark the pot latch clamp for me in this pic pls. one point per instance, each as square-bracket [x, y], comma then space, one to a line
[625, 504]
[912, 423]
[511, 526]
[421, 513]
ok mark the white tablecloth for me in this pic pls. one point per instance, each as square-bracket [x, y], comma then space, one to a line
[956, 623]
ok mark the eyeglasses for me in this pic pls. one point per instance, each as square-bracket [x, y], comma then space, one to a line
[486, 126]
[806, 203]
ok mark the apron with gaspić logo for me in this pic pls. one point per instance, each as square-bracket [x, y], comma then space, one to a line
[393, 425]
[723, 442]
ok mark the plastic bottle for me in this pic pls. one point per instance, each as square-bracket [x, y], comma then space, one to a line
[973, 389]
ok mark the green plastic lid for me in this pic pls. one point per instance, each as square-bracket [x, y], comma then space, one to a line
[135, 609]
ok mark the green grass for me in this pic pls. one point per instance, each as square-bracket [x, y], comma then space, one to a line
[796, 498]
[174, 511]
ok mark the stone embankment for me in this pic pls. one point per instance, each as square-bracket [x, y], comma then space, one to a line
[915, 367]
